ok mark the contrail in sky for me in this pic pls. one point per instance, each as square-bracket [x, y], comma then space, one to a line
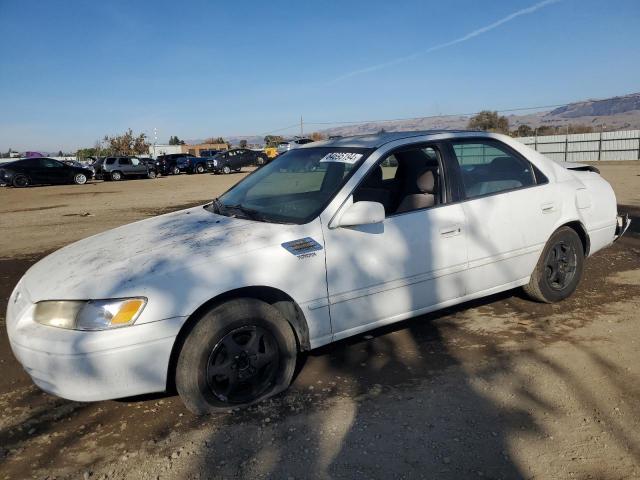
[468, 36]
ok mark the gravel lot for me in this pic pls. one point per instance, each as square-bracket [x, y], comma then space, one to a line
[497, 388]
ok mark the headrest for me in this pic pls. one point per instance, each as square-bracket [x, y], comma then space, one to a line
[426, 181]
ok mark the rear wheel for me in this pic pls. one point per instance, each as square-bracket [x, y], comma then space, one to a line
[239, 353]
[116, 176]
[559, 268]
[20, 181]
[199, 168]
[80, 179]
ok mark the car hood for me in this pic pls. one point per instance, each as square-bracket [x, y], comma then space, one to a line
[118, 261]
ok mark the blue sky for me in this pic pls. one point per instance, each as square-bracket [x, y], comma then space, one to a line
[73, 71]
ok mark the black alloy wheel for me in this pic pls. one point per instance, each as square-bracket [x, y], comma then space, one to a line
[243, 364]
[560, 265]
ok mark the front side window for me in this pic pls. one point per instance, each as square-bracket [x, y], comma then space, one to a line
[407, 180]
[110, 161]
[295, 187]
[48, 163]
[486, 167]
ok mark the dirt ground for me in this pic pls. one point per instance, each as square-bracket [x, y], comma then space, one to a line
[496, 388]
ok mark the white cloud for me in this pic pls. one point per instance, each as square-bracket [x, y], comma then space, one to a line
[468, 36]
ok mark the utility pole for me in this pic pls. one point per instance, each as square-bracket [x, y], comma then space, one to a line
[301, 127]
[155, 140]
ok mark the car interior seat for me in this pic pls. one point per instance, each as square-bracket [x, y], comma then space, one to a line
[423, 194]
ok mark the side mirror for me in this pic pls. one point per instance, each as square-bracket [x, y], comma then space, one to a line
[361, 213]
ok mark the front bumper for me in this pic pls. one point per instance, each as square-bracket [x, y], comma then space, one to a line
[90, 366]
[622, 224]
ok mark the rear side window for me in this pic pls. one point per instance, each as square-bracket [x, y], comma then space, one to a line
[124, 161]
[486, 167]
[110, 161]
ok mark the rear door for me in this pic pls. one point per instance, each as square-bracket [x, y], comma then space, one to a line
[510, 209]
[138, 167]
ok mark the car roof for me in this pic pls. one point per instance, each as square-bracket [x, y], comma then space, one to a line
[378, 139]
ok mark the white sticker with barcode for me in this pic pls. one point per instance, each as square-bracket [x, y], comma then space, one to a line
[342, 157]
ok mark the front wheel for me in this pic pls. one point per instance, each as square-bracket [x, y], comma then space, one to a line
[238, 353]
[559, 268]
[226, 169]
[151, 174]
[80, 179]
[175, 170]
[20, 181]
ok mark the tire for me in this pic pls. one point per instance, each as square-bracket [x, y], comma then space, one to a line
[559, 269]
[175, 171]
[20, 181]
[151, 174]
[246, 327]
[226, 169]
[79, 179]
[260, 161]
[116, 176]
[199, 168]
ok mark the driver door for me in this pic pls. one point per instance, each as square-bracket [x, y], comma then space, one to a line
[411, 263]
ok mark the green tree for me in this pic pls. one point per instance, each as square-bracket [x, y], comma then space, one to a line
[243, 143]
[127, 143]
[489, 121]
[175, 141]
[523, 131]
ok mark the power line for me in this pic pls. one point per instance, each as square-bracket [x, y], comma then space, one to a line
[467, 114]
[437, 116]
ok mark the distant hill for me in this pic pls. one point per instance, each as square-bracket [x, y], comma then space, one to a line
[617, 113]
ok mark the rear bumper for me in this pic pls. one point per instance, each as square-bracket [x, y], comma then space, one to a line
[622, 224]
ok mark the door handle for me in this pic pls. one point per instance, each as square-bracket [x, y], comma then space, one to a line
[451, 231]
[548, 207]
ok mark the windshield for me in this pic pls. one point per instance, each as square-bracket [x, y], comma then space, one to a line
[294, 188]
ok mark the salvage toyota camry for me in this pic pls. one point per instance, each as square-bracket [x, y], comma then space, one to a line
[327, 241]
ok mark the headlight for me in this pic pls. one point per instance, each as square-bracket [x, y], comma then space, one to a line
[90, 314]
[215, 163]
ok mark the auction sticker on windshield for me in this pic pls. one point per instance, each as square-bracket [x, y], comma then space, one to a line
[341, 157]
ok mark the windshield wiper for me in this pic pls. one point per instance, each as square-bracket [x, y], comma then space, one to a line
[247, 212]
[217, 206]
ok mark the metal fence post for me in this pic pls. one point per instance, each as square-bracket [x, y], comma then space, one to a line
[566, 144]
[600, 144]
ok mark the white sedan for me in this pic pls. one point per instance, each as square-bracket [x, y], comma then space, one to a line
[327, 241]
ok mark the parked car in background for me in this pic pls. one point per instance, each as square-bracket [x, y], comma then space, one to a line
[233, 160]
[167, 164]
[291, 144]
[75, 163]
[191, 164]
[377, 229]
[42, 171]
[118, 168]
